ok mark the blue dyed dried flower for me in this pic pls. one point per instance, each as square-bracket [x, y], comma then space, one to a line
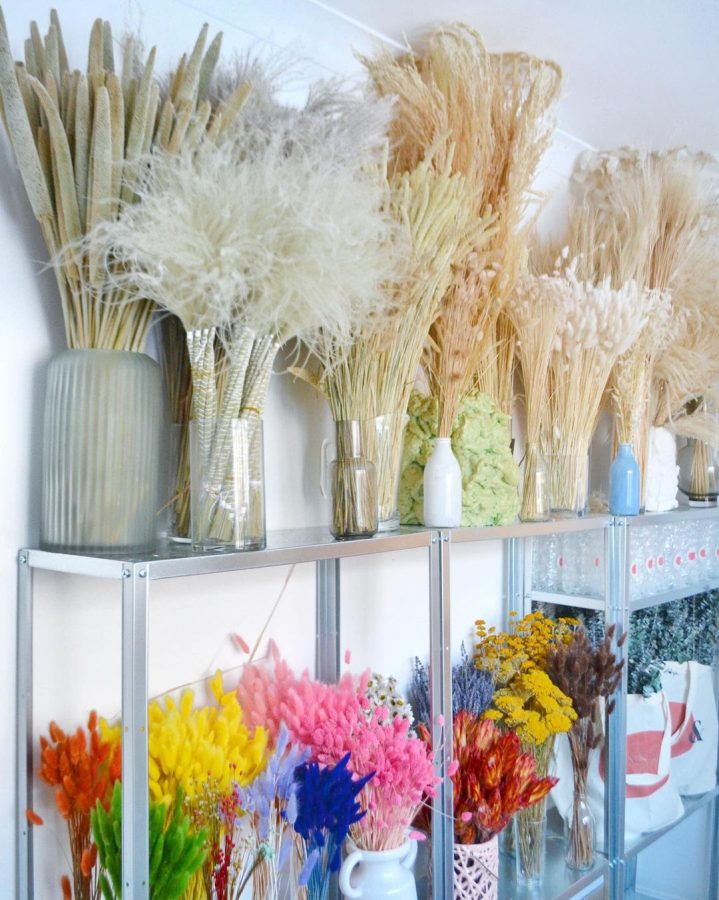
[327, 807]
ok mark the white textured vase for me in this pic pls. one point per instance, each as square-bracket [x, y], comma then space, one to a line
[379, 874]
[476, 870]
[662, 475]
[102, 452]
[442, 487]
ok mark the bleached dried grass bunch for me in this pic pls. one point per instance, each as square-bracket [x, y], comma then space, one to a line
[596, 324]
[78, 138]
[488, 116]
[261, 237]
[656, 220]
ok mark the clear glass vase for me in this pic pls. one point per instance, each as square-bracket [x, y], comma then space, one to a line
[529, 841]
[103, 440]
[699, 473]
[227, 487]
[580, 827]
[569, 474]
[387, 458]
[353, 478]
[536, 488]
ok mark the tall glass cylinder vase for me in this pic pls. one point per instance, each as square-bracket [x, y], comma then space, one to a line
[699, 473]
[103, 438]
[569, 473]
[355, 511]
[387, 458]
[227, 486]
[529, 840]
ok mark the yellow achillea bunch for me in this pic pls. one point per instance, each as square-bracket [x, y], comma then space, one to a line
[193, 747]
[506, 653]
[533, 707]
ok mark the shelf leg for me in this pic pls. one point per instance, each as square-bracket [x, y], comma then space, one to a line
[24, 762]
[327, 638]
[135, 801]
[440, 687]
[516, 597]
[617, 538]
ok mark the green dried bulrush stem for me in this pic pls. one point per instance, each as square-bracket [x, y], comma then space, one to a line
[176, 852]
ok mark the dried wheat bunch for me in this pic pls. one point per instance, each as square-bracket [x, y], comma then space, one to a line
[488, 116]
[78, 138]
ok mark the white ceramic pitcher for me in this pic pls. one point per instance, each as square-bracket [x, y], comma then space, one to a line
[379, 874]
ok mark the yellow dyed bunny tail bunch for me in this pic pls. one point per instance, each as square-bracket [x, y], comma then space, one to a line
[193, 747]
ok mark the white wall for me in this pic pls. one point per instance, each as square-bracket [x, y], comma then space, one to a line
[77, 646]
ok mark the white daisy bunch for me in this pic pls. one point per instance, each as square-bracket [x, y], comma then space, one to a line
[381, 691]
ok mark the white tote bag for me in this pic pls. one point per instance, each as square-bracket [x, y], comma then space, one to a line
[652, 800]
[695, 726]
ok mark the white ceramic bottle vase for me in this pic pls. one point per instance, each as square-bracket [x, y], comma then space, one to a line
[442, 487]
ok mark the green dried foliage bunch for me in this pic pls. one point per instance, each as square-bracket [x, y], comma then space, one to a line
[176, 852]
[79, 137]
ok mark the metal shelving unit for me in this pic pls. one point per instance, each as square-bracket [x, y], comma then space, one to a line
[135, 574]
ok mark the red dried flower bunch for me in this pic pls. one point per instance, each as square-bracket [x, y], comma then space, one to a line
[492, 779]
[83, 767]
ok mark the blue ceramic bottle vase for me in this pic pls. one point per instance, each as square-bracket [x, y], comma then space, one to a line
[624, 483]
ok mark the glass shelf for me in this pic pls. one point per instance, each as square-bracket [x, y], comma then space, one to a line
[691, 805]
[173, 560]
[559, 881]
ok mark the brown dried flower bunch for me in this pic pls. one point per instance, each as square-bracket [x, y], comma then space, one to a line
[586, 673]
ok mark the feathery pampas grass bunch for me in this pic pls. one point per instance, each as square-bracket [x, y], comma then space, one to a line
[487, 115]
[78, 138]
[274, 232]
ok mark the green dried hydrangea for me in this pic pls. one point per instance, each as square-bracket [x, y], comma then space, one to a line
[480, 440]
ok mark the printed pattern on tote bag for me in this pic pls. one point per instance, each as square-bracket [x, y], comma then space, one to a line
[695, 725]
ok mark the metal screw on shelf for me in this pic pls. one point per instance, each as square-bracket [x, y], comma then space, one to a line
[143, 573]
[126, 573]
[23, 559]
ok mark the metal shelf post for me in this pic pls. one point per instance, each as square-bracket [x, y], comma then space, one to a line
[327, 633]
[440, 686]
[135, 800]
[617, 614]
[24, 747]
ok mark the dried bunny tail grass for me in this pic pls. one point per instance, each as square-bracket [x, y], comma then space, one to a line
[656, 220]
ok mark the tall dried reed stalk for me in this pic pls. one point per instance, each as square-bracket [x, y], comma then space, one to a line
[78, 138]
[657, 222]
[488, 116]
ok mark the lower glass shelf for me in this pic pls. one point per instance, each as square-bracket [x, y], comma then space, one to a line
[691, 804]
[559, 881]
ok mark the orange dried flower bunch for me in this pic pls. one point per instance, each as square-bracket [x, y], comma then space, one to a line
[493, 778]
[83, 767]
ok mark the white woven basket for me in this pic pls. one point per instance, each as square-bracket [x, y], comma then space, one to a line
[476, 870]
